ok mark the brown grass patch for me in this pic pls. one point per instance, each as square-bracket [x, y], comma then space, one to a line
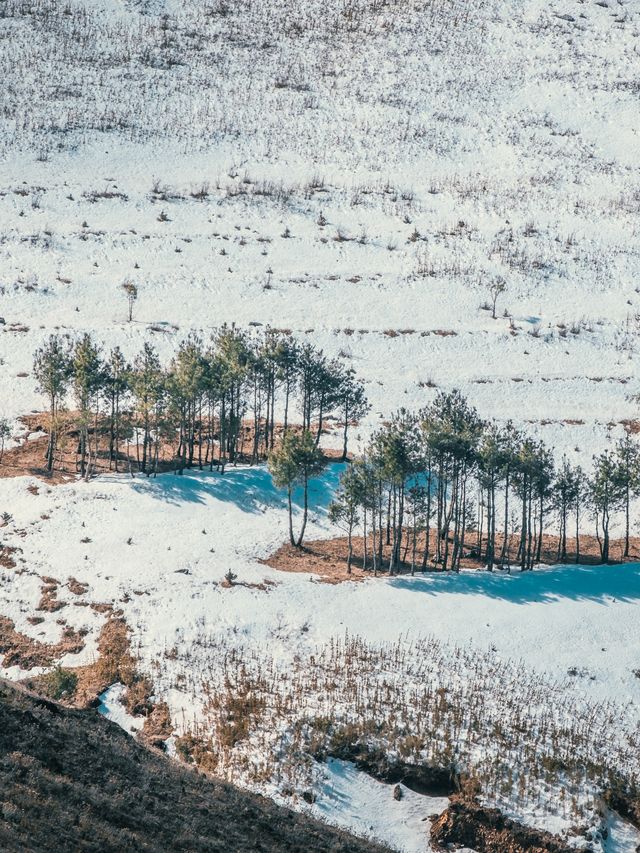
[465, 823]
[6, 558]
[157, 725]
[327, 558]
[29, 457]
[27, 653]
[77, 587]
[49, 597]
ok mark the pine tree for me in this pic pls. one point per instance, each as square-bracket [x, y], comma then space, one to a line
[52, 370]
[397, 454]
[628, 479]
[605, 497]
[5, 433]
[293, 463]
[131, 292]
[87, 381]
[115, 389]
[344, 508]
[352, 401]
[147, 384]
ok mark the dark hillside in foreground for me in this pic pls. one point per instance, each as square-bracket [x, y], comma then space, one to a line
[72, 781]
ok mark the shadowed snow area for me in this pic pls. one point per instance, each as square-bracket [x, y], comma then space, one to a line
[354, 800]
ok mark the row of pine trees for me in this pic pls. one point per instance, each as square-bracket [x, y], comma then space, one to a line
[430, 488]
[441, 484]
[198, 404]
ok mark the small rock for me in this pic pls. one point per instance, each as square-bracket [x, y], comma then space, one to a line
[397, 792]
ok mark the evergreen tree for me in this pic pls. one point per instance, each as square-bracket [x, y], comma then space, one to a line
[5, 433]
[353, 403]
[293, 463]
[565, 494]
[115, 389]
[345, 506]
[147, 384]
[628, 479]
[397, 455]
[52, 370]
[131, 293]
[605, 497]
[87, 380]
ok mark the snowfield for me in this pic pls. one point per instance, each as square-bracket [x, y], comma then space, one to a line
[358, 173]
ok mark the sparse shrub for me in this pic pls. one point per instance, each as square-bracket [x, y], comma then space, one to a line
[58, 684]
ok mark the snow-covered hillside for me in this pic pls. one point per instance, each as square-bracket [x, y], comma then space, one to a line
[445, 145]
[359, 172]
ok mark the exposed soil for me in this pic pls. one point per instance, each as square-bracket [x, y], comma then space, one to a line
[29, 457]
[76, 587]
[49, 601]
[327, 558]
[20, 650]
[467, 824]
[6, 557]
[157, 726]
[114, 663]
[72, 781]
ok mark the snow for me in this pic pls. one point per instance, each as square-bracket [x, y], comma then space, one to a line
[112, 708]
[623, 837]
[193, 523]
[352, 799]
[504, 133]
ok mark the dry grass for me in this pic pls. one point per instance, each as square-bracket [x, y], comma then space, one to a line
[327, 558]
[28, 458]
[523, 740]
[20, 650]
[72, 781]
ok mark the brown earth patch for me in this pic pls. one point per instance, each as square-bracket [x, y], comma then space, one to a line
[28, 458]
[77, 587]
[157, 726]
[6, 557]
[49, 601]
[20, 650]
[467, 824]
[264, 586]
[114, 663]
[327, 558]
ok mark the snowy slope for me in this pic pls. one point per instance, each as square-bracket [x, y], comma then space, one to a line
[413, 152]
[445, 144]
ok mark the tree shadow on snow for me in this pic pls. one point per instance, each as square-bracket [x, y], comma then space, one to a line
[602, 584]
[251, 489]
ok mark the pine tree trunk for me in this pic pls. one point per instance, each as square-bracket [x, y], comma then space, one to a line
[305, 512]
[291, 536]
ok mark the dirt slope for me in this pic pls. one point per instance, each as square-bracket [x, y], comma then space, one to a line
[72, 781]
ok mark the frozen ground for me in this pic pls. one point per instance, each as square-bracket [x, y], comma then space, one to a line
[412, 152]
[187, 532]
